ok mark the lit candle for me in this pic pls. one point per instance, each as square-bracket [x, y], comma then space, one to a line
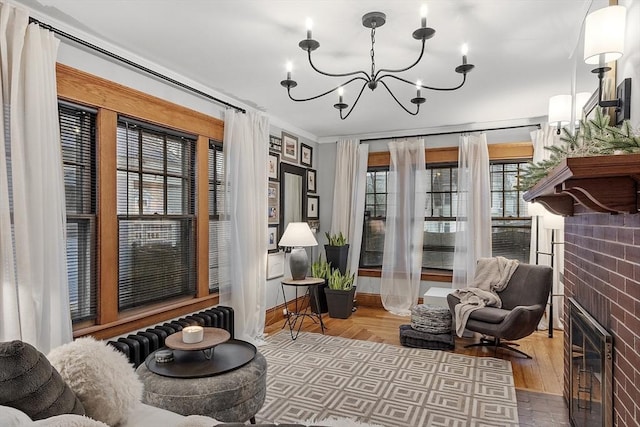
[340, 93]
[465, 50]
[418, 86]
[289, 68]
[309, 27]
[192, 334]
[423, 15]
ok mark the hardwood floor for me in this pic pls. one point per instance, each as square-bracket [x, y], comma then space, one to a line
[543, 373]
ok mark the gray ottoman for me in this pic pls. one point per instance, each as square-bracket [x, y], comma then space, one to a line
[234, 396]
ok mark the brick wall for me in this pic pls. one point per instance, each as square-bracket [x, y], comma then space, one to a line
[602, 272]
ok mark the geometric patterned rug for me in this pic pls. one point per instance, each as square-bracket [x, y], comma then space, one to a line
[320, 376]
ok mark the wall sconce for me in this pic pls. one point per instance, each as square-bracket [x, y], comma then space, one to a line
[560, 111]
[604, 42]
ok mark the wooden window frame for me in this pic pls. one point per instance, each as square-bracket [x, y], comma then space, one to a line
[112, 99]
[515, 151]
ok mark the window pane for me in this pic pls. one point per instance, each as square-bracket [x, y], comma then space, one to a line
[78, 142]
[510, 180]
[218, 228]
[497, 182]
[156, 253]
[127, 148]
[175, 202]
[174, 157]
[511, 239]
[438, 244]
[381, 182]
[511, 203]
[496, 204]
[372, 243]
[152, 153]
[156, 260]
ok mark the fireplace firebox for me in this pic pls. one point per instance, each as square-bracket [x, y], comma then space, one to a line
[590, 371]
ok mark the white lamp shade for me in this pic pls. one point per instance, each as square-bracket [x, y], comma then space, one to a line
[604, 35]
[552, 222]
[560, 109]
[298, 234]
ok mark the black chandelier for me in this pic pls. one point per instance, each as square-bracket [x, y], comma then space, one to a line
[375, 20]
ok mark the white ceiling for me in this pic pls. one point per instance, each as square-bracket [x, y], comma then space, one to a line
[522, 50]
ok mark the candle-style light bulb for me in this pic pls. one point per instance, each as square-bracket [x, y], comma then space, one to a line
[340, 93]
[465, 50]
[289, 69]
[309, 24]
[423, 15]
[418, 87]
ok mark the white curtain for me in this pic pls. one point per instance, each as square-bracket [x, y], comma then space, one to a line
[348, 199]
[541, 234]
[473, 218]
[404, 228]
[246, 141]
[33, 262]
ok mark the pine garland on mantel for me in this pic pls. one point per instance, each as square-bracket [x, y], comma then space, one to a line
[593, 138]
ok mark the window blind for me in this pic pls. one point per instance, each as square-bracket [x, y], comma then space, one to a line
[78, 141]
[156, 214]
[218, 225]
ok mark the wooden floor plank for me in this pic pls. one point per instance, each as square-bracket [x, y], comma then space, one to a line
[543, 373]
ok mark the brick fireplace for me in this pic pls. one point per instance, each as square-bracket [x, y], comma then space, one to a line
[602, 273]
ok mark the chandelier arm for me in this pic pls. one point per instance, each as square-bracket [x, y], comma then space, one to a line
[327, 92]
[336, 75]
[355, 102]
[464, 79]
[398, 102]
[400, 70]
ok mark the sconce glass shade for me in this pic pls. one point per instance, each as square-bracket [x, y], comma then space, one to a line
[604, 35]
[560, 109]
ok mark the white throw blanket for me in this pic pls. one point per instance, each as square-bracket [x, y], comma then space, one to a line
[492, 276]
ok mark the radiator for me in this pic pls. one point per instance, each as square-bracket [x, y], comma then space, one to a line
[139, 345]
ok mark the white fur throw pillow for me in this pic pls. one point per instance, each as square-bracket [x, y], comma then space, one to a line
[69, 420]
[100, 376]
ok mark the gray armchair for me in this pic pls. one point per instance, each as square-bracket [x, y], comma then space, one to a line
[523, 303]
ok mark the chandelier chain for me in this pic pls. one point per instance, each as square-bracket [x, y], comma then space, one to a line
[373, 52]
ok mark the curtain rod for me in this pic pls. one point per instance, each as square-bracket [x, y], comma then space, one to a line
[133, 64]
[457, 132]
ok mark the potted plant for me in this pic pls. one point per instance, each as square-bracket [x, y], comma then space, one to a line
[321, 270]
[340, 294]
[337, 251]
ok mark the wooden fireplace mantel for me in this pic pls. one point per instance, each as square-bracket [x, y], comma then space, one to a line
[606, 184]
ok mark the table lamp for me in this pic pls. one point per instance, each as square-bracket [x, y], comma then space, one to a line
[297, 236]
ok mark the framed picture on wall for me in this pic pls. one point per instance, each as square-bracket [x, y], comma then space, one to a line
[272, 238]
[273, 167]
[289, 147]
[275, 265]
[311, 180]
[313, 207]
[275, 144]
[273, 202]
[306, 155]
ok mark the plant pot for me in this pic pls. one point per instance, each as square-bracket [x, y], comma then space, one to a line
[321, 297]
[337, 256]
[340, 303]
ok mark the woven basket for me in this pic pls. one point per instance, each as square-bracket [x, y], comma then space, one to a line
[431, 318]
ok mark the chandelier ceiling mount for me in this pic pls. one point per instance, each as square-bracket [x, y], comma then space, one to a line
[374, 20]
